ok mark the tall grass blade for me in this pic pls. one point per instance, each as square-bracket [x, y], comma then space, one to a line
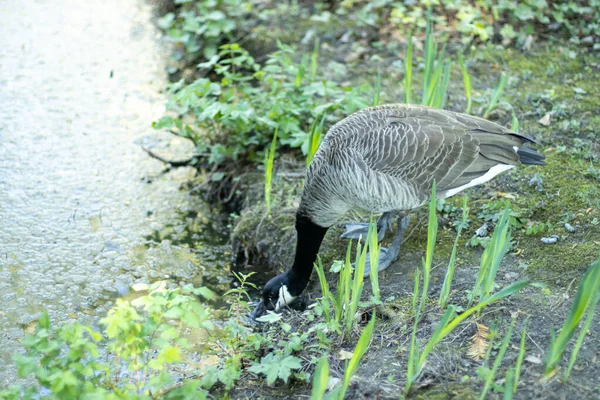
[359, 352]
[520, 358]
[268, 164]
[582, 333]
[445, 292]
[408, 70]
[320, 379]
[374, 261]
[587, 295]
[467, 82]
[301, 71]
[491, 375]
[326, 294]
[508, 385]
[432, 229]
[496, 95]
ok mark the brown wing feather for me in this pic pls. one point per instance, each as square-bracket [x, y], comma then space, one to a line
[417, 144]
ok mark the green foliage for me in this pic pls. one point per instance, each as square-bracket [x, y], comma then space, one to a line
[276, 366]
[585, 300]
[200, 27]
[520, 357]
[142, 337]
[238, 115]
[511, 20]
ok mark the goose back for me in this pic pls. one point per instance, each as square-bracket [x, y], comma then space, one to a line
[386, 158]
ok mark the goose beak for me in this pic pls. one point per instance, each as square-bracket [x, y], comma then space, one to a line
[259, 311]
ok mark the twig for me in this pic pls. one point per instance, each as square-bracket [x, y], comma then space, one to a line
[173, 164]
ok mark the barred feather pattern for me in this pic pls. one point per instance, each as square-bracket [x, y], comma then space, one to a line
[386, 158]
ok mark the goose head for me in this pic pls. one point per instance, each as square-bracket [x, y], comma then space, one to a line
[276, 294]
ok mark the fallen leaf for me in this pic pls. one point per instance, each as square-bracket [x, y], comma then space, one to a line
[533, 359]
[506, 195]
[578, 90]
[479, 342]
[545, 120]
[345, 355]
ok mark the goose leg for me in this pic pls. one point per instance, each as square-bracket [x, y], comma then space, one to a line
[389, 255]
[356, 230]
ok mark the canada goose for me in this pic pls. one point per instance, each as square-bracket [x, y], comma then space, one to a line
[384, 159]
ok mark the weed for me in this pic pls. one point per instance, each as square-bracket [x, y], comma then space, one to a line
[320, 379]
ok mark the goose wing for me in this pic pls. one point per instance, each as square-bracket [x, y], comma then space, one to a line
[416, 144]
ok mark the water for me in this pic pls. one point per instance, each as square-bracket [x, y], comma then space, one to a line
[79, 86]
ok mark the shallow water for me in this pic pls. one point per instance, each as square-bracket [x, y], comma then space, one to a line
[79, 219]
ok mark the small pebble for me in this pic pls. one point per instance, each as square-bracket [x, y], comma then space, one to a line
[481, 232]
[550, 240]
[569, 227]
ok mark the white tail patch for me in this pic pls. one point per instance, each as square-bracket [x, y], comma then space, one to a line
[495, 170]
[284, 299]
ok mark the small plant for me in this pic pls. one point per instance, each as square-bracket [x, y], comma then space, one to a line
[268, 165]
[350, 284]
[585, 300]
[492, 257]
[496, 95]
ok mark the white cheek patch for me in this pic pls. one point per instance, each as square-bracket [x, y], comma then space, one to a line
[285, 298]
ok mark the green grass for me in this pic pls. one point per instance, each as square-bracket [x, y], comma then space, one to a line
[320, 379]
[586, 299]
[268, 164]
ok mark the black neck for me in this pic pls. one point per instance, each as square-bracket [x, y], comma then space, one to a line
[310, 236]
